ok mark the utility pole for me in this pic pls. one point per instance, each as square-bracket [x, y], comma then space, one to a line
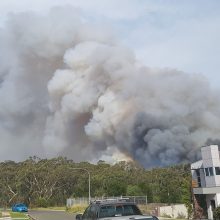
[79, 168]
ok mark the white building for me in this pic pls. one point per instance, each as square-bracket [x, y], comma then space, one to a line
[206, 180]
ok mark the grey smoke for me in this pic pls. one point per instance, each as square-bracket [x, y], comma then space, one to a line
[213, 142]
[67, 87]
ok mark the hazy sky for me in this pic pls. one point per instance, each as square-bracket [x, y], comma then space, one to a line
[178, 34]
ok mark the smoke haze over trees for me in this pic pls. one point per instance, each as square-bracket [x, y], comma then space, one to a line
[43, 182]
[67, 87]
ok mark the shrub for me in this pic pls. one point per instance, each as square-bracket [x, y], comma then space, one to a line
[216, 213]
[189, 207]
[42, 202]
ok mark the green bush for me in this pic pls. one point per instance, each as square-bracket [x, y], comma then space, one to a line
[189, 207]
[216, 213]
[42, 202]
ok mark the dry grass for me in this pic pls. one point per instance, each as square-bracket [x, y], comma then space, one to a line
[146, 209]
[77, 208]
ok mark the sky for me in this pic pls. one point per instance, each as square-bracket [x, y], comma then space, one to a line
[109, 79]
[176, 34]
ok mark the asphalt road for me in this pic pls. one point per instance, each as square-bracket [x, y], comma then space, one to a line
[51, 215]
[56, 215]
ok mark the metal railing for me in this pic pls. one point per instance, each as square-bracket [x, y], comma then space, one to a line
[140, 200]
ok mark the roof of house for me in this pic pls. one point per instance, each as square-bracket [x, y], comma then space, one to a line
[197, 165]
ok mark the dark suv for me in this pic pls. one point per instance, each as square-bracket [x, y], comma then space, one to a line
[113, 210]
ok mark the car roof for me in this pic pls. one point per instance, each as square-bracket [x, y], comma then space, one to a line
[112, 201]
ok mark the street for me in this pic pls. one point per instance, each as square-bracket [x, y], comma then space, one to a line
[55, 215]
[51, 215]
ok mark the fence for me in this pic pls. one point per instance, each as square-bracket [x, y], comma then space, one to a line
[140, 200]
[76, 201]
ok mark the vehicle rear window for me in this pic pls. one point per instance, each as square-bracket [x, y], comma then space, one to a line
[20, 205]
[118, 210]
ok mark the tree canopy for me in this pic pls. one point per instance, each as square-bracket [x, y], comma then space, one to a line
[43, 182]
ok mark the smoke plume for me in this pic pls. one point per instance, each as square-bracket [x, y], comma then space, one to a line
[67, 87]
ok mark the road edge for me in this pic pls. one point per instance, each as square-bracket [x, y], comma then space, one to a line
[32, 218]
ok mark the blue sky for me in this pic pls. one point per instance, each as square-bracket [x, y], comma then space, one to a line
[176, 34]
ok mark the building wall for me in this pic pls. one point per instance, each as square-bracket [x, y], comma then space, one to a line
[210, 158]
[196, 168]
[210, 179]
[173, 211]
[217, 199]
[202, 175]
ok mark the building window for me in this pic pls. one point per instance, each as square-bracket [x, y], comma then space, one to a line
[212, 203]
[206, 171]
[209, 171]
[198, 177]
[217, 170]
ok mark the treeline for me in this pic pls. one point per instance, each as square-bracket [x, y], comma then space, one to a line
[49, 182]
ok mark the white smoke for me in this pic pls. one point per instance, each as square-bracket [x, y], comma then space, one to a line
[68, 88]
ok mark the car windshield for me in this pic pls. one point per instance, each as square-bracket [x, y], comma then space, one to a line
[20, 205]
[118, 210]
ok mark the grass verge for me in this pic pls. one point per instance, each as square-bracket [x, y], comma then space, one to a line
[77, 208]
[19, 215]
[61, 208]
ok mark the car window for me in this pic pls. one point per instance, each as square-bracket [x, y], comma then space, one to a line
[20, 205]
[107, 211]
[93, 212]
[118, 210]
[133, 209]
[128, 210]
[86, 213]
[90, 213]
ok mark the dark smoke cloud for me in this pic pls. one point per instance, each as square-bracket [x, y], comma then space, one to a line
[213, 142]
[68, 88]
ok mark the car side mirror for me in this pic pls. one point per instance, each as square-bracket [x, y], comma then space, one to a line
[79, 217]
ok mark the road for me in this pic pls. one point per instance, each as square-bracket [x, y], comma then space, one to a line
[51, 215]
[56, 215]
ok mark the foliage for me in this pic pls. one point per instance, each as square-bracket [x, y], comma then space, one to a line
[186, 197]
[77, 208]
[134, 190]
[49, 182]
[42, 202]
[216, 213]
